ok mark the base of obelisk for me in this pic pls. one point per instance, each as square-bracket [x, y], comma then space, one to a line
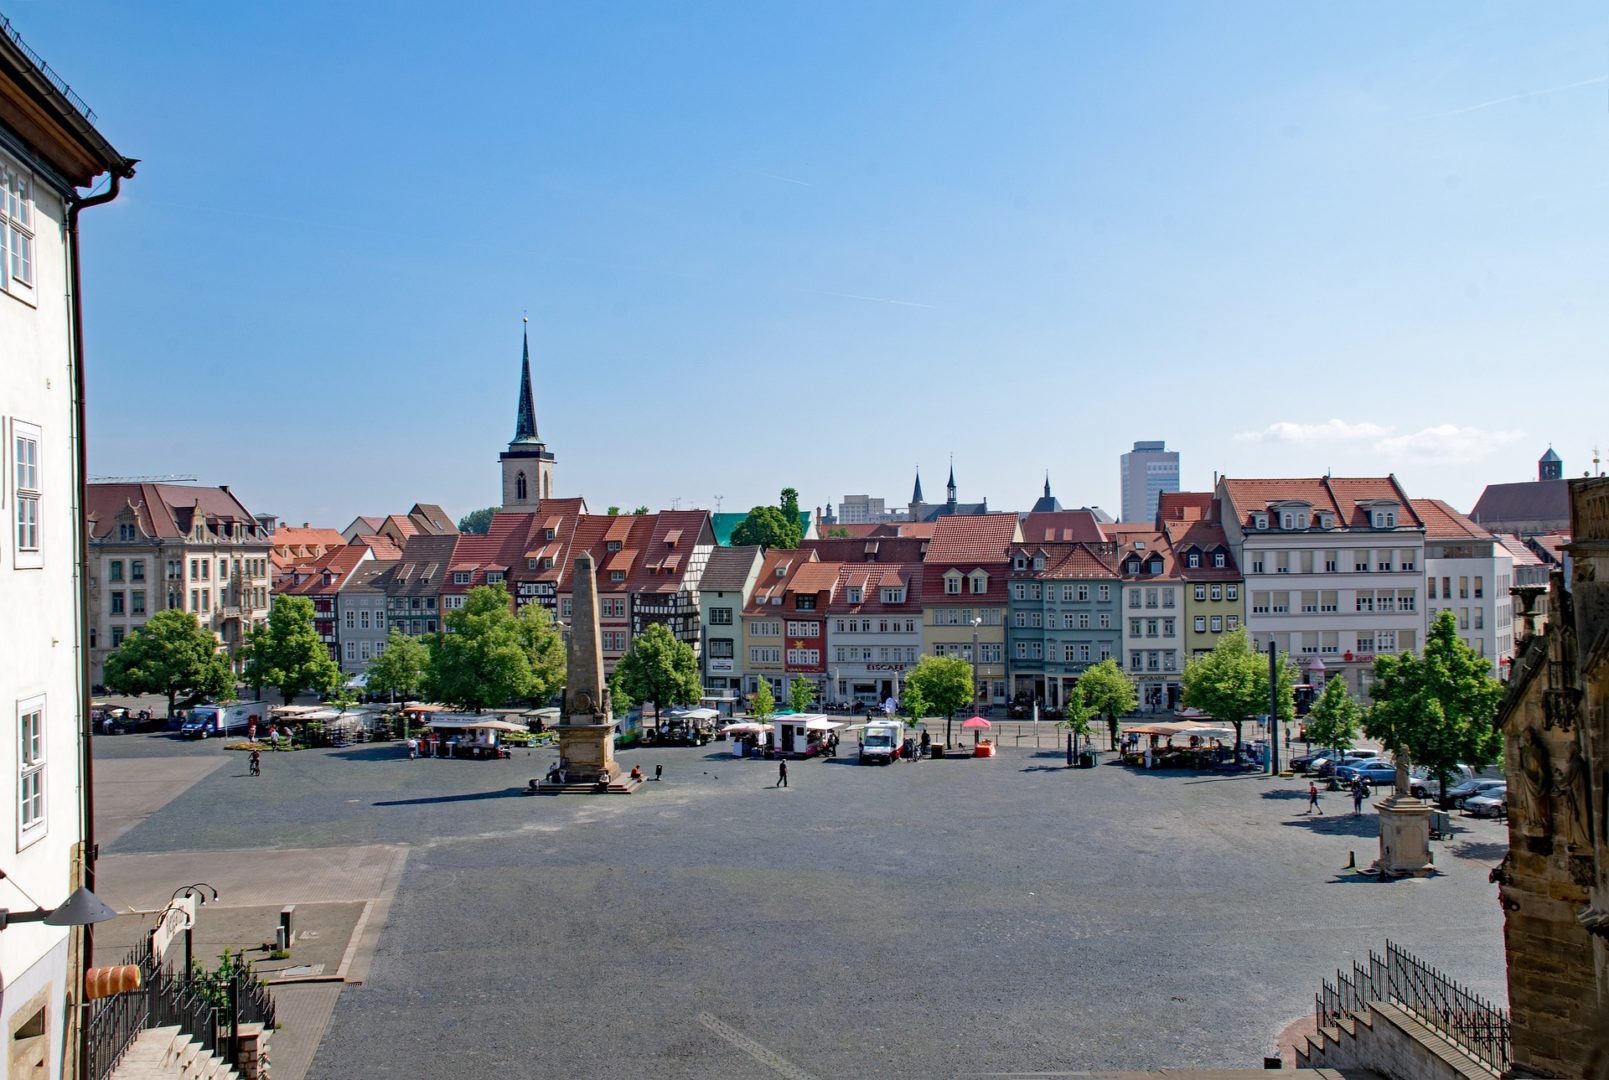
[587, 751]
[1404, 837]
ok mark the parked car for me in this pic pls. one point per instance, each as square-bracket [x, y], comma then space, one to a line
[1378, 773]
[1328, 765]
[1304, 762]
[1471, 788]
[1424, 785]
[1491, 802]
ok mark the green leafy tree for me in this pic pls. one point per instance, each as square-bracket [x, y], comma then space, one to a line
[1333, 721]
[762, 703]
[1077, 714]
[477, 522]
[287, 653]
[768, 527]
[613, 511]
[641, 511]
[944, 684]
[914, 704]
[620, 701]
[172, 655]
[480, 658]
[788, 503]
[1230, 684]
[544, 645]
[801, 692]
[1439, 708]
[838, 532]
[661, 669]
[399, 671]
[1110, 692]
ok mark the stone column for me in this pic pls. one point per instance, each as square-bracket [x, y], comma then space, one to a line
[587, 730]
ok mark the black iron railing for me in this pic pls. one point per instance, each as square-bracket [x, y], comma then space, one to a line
[1400, 978]
[114, 1023]
[209, 1008]
[46, 70]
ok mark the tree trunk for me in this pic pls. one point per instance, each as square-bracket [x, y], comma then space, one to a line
[1237, 724]
[172, 697]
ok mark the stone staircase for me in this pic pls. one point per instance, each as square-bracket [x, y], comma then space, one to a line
[623, 786]
[166, 1053]
[1388, 1039]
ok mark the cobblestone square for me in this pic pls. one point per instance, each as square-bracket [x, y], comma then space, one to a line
[943, 918]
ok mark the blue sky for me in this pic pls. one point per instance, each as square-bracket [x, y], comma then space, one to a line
[819, 244]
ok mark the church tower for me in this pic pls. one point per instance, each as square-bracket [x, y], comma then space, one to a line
[1550, 466]
[527, 464]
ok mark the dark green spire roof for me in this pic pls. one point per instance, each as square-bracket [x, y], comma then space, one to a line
[525, 418]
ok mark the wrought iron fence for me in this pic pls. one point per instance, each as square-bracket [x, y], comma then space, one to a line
[191, 1003]
[1399, 977]
[46, 70]
[114, 1023]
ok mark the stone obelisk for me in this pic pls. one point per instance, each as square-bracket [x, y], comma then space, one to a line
[587, 733]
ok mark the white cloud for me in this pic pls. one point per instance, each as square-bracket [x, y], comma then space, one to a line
[1446, 443]
[1334, 430]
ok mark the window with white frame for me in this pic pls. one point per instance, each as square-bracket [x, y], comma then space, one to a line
[351, 620]
[26, 492]
[30, 770]
[16, 230]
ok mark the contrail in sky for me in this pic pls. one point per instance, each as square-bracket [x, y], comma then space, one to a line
[880, 300]
[784, 179]
[1518, 97]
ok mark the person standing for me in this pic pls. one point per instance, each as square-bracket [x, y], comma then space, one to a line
[1312, 799]
[1357, 797]
[782, 772]
[256, 763]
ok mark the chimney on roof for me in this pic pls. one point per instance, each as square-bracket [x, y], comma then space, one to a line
[307, 524]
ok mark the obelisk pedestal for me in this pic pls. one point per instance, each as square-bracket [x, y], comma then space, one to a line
[587, 729]
[1404, 831]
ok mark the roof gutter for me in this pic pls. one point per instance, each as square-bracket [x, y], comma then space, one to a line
[86, 756]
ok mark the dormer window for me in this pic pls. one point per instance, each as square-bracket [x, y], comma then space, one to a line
[1039, 562]
[1259, 521]
[952, 583]
[1194, 560]
[613, 545]
[782, 571]
[893, 596]
[494, 576]
[1326, 521]
[530, 564]
[547, 562]
[854, 595]
[1218, 559]
[1132, 566]
[1020, 562]
[1154, 566]
[980, 582]
[617, 575]
[460, 577]
[551, 533]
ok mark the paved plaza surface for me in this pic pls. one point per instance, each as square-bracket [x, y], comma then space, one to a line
[939, 919]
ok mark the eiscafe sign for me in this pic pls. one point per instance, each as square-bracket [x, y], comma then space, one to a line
[177, 917]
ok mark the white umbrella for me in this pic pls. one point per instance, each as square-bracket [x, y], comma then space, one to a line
[746, 728]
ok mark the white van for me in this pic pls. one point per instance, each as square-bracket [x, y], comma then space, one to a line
[881, 741]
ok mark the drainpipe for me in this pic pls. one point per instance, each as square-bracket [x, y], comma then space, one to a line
[86, 758]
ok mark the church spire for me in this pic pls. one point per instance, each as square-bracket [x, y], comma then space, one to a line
[525, 417]
[950, 487]
[1047, 483]
[916, 496]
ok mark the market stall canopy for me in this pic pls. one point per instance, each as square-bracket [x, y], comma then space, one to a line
[821, 723]
[472, 724]
[358, 681]
[692, 714]
[975, 723]
[1182, 727]
[747, 728]
[294, 710]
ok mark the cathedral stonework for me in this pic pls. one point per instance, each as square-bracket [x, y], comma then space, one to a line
[1555, 878]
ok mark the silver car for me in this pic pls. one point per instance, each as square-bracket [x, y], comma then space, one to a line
[1492, 802]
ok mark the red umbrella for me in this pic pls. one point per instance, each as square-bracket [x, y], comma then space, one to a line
[975, 723]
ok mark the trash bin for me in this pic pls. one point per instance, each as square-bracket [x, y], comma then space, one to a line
[1086, 759]
[937, 749]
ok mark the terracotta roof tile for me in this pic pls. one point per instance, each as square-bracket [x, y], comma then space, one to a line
[1442, 522]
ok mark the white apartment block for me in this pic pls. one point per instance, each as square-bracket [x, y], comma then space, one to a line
[49, 151]
[1145, 473]
[1334, 569]
[862, 510]
[1469, 572]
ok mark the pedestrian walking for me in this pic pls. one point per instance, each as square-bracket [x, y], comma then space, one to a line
[256, 763]
[659, 772]
[782, 773]
[1312, 799]
[1357, 797]
[413, 748]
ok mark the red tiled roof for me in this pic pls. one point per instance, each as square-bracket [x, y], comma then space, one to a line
[775, 572]
[288, 537]
[1522, 553]
[165, 511]
[1068, 560]
[872, 579]
[1339, 494]
[307, 579]
[1208, 539]
[815, 577]
[1062, 526]
[1185, 506]
[729, 568]
[1442, 522]
[385, 549]
[403, 526]
[983, 538]
[881, 549]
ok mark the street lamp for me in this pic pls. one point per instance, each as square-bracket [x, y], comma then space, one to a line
[81, 908]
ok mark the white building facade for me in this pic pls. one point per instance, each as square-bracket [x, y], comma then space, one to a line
[1469, 572]
[48, 151]
[1334, 569]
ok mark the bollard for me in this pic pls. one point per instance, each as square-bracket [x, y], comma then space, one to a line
[1351, 861]
[282, 939]
[286, 916]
